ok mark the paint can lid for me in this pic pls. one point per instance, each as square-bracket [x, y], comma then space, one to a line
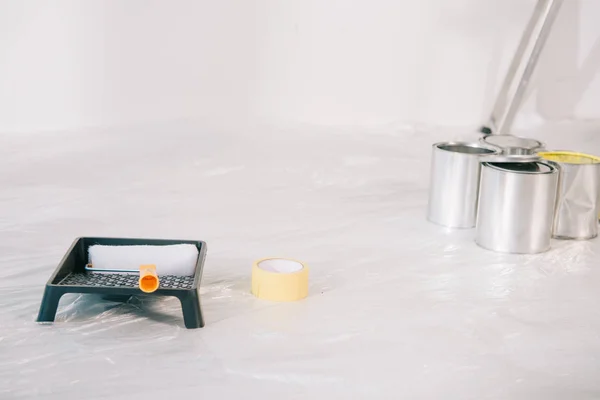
[512, 142]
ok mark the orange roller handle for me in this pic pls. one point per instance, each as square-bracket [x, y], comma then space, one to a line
[148, 278]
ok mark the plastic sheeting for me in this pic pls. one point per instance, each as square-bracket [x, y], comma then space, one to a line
[398, 307]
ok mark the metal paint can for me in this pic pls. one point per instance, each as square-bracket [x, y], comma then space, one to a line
[516, 206]
[454, 183]
[578, 203]
[513, 145]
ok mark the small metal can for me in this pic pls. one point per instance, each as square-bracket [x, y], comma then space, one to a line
[516, 206]
[578, 203]
[454, 183]
[513, 145]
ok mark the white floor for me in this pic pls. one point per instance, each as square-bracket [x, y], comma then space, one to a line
[398, 308]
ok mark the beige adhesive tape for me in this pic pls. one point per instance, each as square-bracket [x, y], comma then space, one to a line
[279, 279]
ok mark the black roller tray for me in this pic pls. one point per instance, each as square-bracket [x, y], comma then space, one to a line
[71, 277]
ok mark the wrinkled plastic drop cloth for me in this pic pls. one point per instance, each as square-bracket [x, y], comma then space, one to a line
[398, 307]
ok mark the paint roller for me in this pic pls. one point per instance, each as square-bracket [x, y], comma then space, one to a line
[149, 262]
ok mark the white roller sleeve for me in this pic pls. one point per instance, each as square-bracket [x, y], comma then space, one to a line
[177, 259]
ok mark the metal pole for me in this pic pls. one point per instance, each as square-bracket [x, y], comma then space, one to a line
[509, 98]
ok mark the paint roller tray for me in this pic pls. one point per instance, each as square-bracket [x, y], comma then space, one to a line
[71, 277]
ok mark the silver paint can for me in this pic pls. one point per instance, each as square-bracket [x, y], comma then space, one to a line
[454, 183]
[578, 203]
[516, 206]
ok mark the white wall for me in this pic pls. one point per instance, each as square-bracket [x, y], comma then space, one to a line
[72, 63]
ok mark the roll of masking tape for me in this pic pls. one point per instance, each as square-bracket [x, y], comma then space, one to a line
[279, 279]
